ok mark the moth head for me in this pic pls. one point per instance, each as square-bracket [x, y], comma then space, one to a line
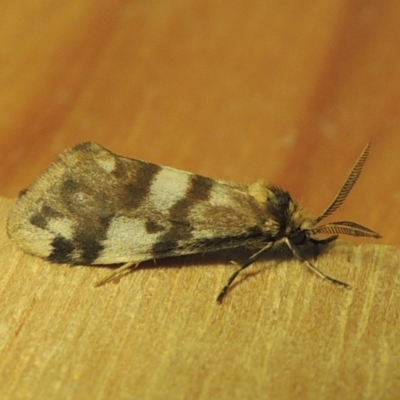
[289, 220]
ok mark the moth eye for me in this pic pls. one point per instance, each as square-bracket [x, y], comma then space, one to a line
[298, 237]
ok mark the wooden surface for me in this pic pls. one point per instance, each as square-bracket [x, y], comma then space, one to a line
[288, 91]
[281, 333]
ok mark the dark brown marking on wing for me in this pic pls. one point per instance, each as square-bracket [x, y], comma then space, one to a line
[85, 245]
[42, 218]
[39, 220]
[89, 236]
[62, 250]
[122, 169]
[154, 227]
[80, 249]
[135, 192]
[89, 248]
[70, 186]
[199, 190]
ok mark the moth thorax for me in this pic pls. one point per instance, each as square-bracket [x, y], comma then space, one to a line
[259, 191]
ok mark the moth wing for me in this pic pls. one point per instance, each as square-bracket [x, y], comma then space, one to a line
[92, 206]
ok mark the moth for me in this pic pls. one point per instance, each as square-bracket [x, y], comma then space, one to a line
[94, 207]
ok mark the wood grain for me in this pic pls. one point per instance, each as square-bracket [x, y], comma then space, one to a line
[281, 333]
[287, 91]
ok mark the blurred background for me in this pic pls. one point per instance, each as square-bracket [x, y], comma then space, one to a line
[286, 91]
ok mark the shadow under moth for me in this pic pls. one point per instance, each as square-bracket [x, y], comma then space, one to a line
[94, 207]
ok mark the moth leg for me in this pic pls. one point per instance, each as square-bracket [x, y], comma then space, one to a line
[324, 241]
[249, 261]
[324, 276]
[128, 266]
[313, 268]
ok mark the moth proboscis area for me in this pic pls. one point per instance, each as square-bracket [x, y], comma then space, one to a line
[94, 207]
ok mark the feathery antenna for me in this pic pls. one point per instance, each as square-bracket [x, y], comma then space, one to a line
[348, 185]
[346, 228]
